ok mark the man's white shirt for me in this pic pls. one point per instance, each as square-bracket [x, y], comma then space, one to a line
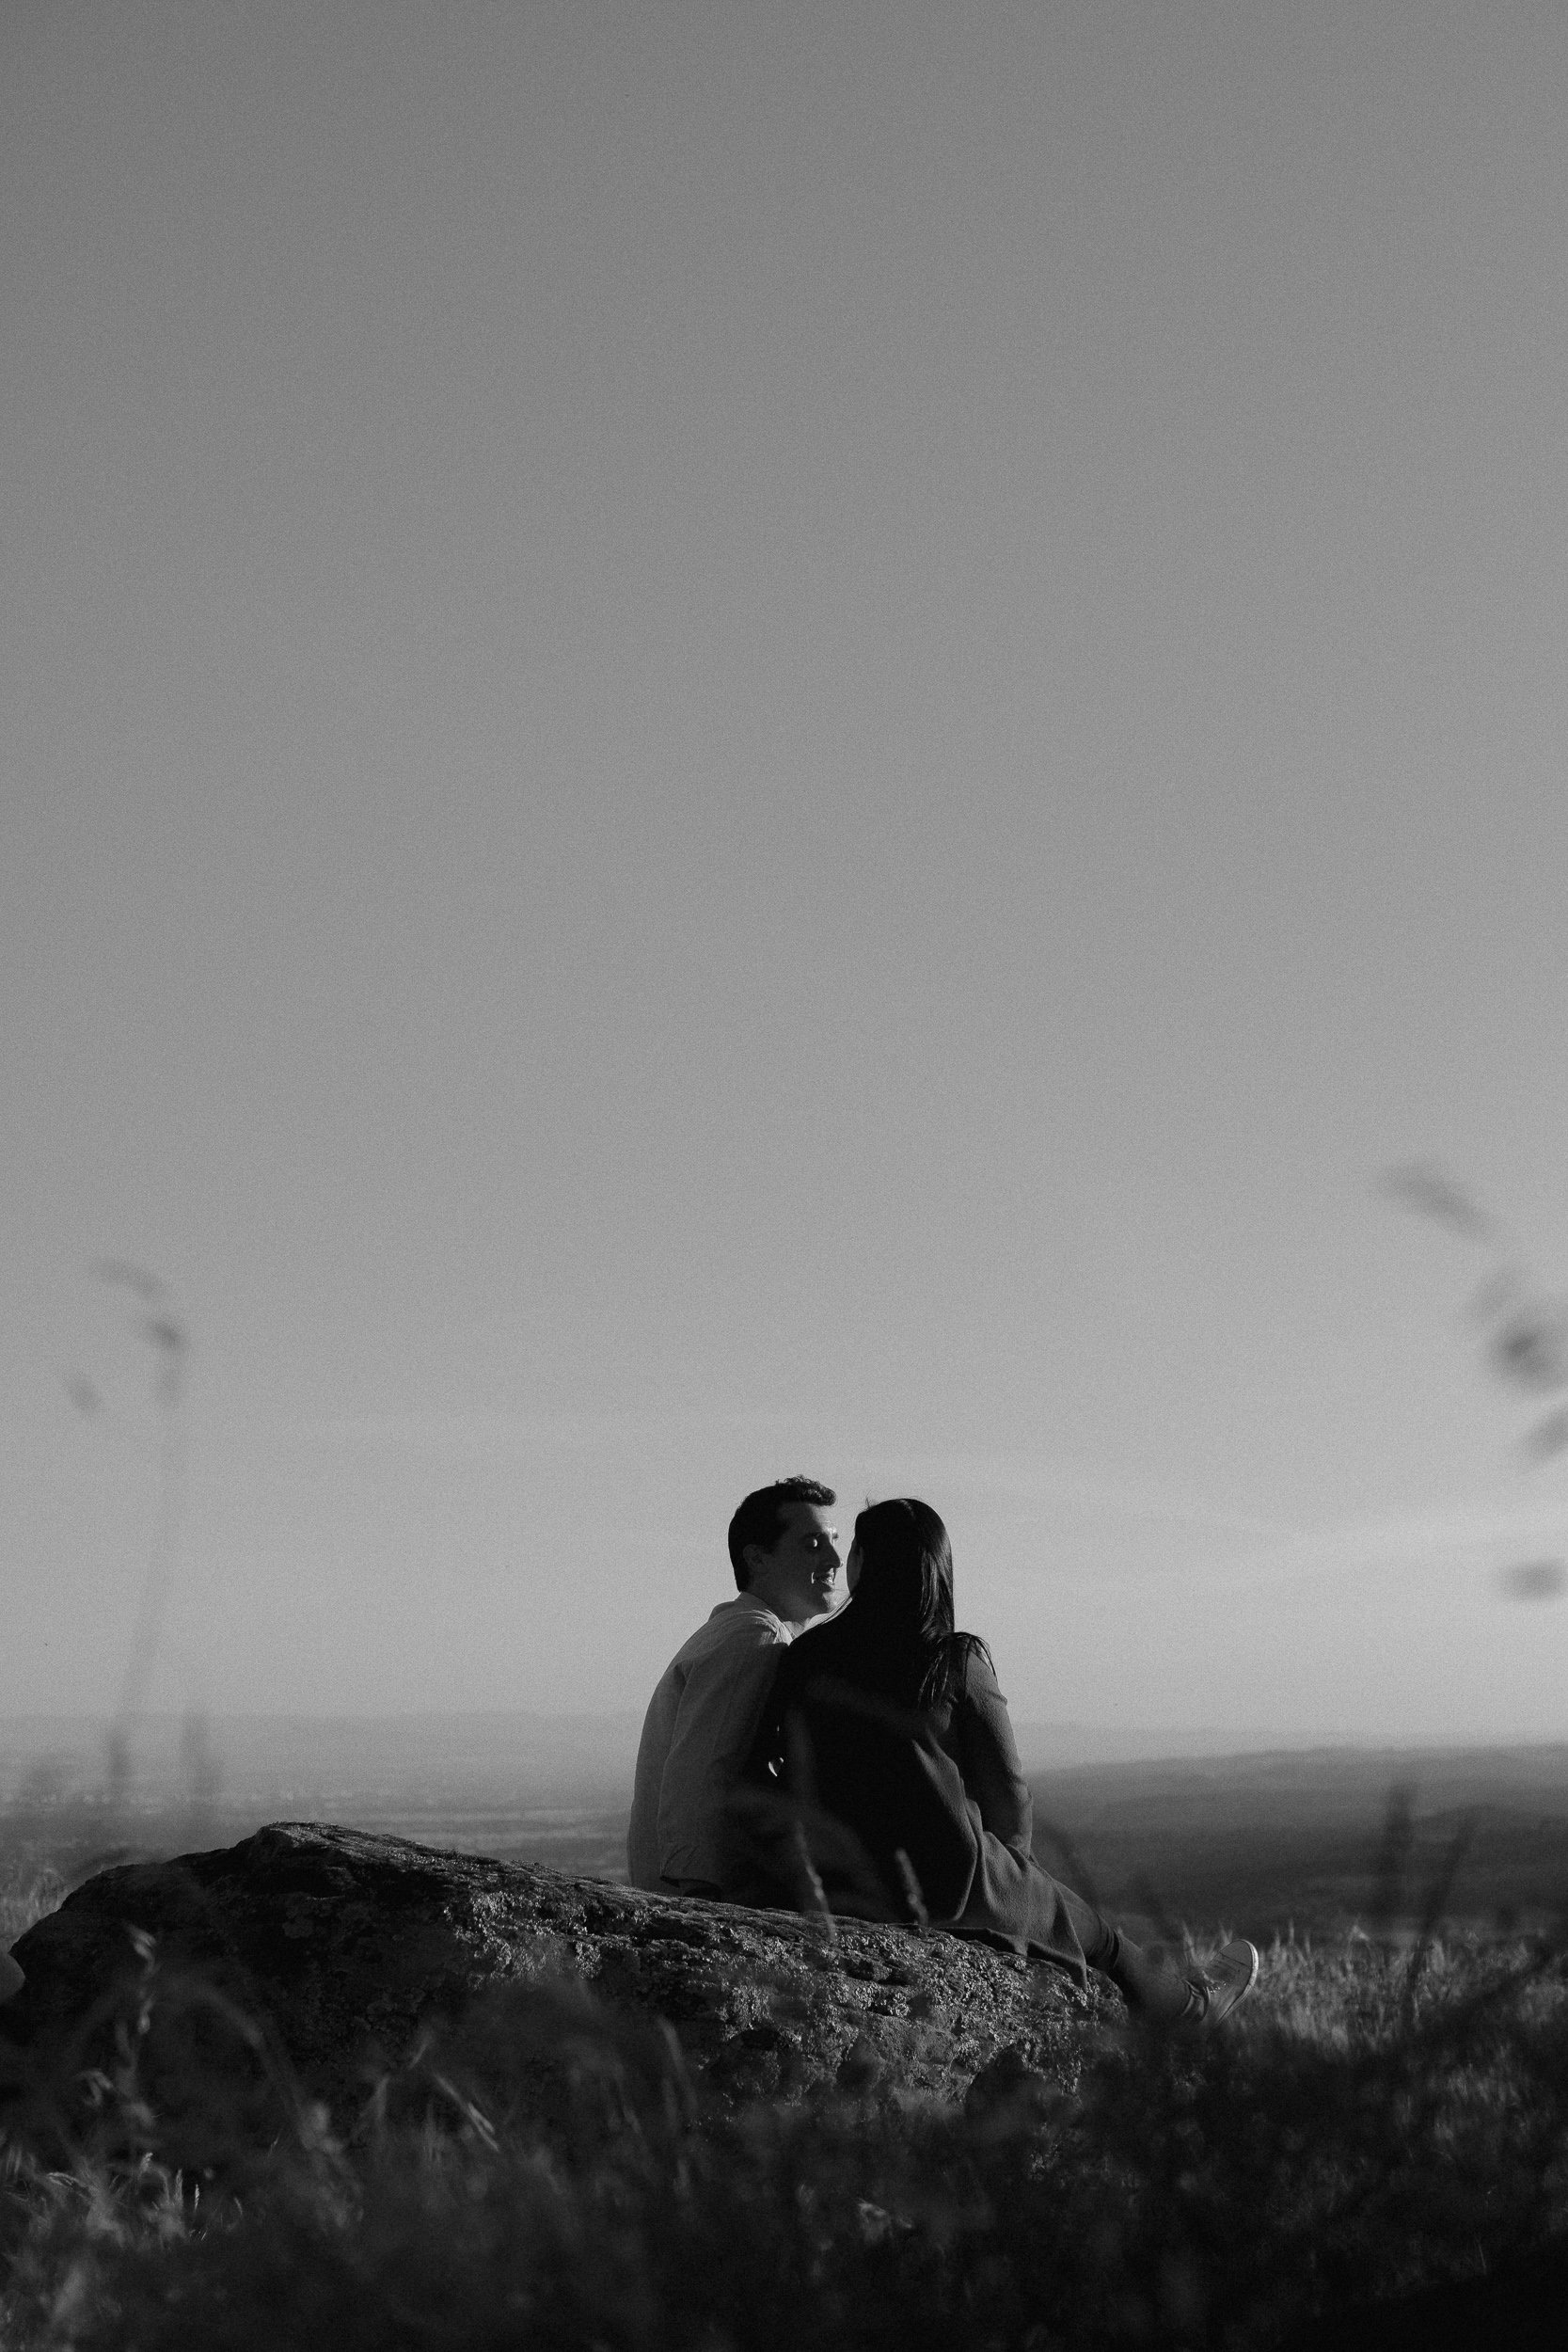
[701, 1722]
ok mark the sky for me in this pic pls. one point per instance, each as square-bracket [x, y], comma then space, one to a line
[742, 740]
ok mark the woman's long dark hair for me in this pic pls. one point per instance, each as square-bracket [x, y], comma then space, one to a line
[898, 1625]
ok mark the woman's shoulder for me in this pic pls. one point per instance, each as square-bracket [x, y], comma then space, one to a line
[812, 1651]
[975, 1676]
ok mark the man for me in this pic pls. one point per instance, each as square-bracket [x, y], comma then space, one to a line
[701, 1718]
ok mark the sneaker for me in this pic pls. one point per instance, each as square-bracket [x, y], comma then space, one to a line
[1228, 1977]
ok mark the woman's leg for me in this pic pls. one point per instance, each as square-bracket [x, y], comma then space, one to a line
[1151, 1988]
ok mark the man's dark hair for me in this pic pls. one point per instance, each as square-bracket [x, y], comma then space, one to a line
[760, 1518]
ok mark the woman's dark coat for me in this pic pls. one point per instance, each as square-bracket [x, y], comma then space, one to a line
[903, 1812]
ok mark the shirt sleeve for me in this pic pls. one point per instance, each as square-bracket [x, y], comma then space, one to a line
[722, 1699]
[988, 1758]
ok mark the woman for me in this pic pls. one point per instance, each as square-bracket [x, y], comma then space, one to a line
[886, 1766]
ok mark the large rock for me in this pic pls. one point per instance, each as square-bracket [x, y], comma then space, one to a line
[323, 1960]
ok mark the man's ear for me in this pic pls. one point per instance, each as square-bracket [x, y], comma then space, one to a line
[752, 1557]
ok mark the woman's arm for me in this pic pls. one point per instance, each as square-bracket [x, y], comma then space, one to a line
[988, 1757]
[761, 1759]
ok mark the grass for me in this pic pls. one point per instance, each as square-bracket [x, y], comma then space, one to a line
[1376, 2120]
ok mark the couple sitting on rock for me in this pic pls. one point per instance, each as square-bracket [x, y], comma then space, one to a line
[863, 1761]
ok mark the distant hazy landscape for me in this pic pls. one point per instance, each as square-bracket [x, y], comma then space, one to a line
[1266, 1841]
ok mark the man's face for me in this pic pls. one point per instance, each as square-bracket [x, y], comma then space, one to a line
[798, 1579]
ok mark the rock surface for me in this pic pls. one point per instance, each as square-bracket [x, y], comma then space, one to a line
[332, 1957]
